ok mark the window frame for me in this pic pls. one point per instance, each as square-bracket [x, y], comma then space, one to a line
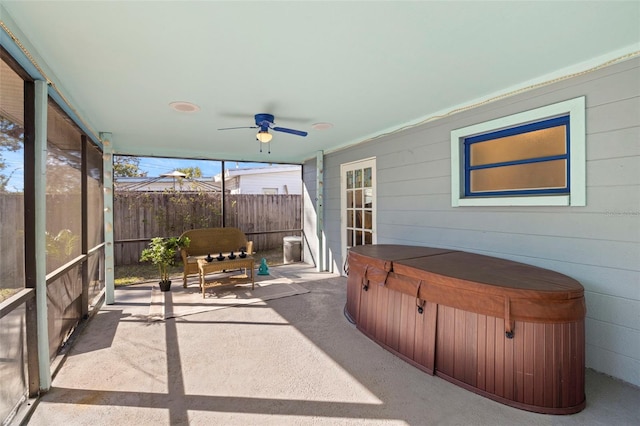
[574, 109]
[548, 123]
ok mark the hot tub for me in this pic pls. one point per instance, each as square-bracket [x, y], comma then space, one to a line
[505, 330]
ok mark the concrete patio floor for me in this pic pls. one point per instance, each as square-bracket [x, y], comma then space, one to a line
[293, 360]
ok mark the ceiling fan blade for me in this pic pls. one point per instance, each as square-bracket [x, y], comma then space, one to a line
[292, 131]
[244, 127]
[273, 107]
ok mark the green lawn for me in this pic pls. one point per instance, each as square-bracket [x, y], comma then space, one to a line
[141, 272]
[5, 293]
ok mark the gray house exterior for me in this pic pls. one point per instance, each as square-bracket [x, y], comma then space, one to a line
[598, 244]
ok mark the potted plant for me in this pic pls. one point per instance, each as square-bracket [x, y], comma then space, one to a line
[162, 252]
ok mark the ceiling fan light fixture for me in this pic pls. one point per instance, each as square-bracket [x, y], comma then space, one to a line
[264, 136]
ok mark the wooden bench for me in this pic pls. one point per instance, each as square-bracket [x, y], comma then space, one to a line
[213, 241]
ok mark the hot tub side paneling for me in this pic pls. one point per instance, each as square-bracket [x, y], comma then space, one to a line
[386, 306]
[540, 369]
[520, 346]
[391, 318]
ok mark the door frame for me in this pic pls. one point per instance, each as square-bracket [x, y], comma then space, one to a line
[344, 167]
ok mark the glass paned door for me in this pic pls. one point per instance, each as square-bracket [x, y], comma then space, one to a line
[358, 203]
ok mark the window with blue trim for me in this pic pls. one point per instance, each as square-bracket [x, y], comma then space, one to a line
[530, 159]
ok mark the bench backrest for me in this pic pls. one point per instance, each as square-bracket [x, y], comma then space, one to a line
[214, 240]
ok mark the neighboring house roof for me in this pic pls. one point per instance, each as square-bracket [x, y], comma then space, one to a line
[160, 184]
[171, 181]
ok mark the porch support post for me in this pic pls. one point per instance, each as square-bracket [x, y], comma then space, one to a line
[85, 228]
[320, 266]
[40, 207]
[107, 167]
[223, 199]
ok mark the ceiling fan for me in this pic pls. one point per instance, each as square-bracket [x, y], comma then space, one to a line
[264, 122]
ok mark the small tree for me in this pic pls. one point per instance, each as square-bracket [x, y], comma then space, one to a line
[190, 172]
[127, 167]
[162, 252]
[11, 140]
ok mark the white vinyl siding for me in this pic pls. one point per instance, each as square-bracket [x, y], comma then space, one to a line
[286, 182]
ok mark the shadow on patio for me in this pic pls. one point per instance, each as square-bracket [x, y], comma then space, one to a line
[289, 360]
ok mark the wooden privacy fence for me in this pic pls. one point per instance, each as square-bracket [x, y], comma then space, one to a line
[140, 216]
[64, 215]
[12, 243]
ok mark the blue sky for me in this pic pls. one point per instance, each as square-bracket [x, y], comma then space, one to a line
[13, 167]
[154, 167]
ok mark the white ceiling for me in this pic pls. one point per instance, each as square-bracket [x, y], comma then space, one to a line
[366, 67]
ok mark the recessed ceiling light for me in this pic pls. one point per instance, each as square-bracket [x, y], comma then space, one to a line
[181, 106]
[321, 126]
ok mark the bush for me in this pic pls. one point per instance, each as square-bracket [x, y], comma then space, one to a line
[162, 252]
